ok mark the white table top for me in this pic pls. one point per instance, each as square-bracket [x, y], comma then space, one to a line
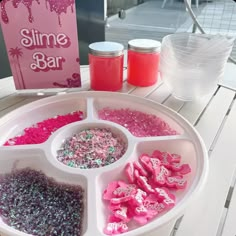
[213, 213]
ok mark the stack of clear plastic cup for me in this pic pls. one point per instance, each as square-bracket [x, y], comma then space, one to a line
[192, 64]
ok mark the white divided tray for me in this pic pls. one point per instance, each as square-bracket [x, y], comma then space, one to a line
[43, 156]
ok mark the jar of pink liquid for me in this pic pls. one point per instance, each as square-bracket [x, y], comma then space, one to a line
[143, 61]
[106, 66]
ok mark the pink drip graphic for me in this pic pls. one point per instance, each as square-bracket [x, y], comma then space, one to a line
[15, 3]
[60, 7]
[57, 6]
[4, 12]
[17, 53]
[28, 5]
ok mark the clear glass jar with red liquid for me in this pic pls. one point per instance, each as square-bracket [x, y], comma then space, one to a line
[143, 61]
[106, 61]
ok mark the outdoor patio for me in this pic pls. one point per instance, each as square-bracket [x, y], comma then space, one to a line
[204, 133]
[150, 20]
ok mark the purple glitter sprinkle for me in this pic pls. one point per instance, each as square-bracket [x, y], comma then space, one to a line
[35, 204]
[91, 148]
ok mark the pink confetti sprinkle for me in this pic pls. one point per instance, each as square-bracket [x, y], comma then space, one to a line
[41, 131]
[138, 123]
[148, 192]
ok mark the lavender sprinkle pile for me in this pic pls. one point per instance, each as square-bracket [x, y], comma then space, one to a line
[91, 148]
[35, 204]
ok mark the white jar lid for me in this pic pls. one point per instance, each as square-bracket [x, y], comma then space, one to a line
[106, 49]
[144, 45]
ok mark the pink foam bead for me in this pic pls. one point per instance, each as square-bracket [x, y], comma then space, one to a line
[138, 123]
[41, 131]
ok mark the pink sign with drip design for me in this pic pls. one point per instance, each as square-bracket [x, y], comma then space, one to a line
[42, 42]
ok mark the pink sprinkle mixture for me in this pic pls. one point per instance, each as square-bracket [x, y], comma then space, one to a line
[91, 148]
[148, 192]
[138, 123]
[40, 132]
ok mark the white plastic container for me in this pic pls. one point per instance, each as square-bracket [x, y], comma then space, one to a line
[43, 156]
[191, 65]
